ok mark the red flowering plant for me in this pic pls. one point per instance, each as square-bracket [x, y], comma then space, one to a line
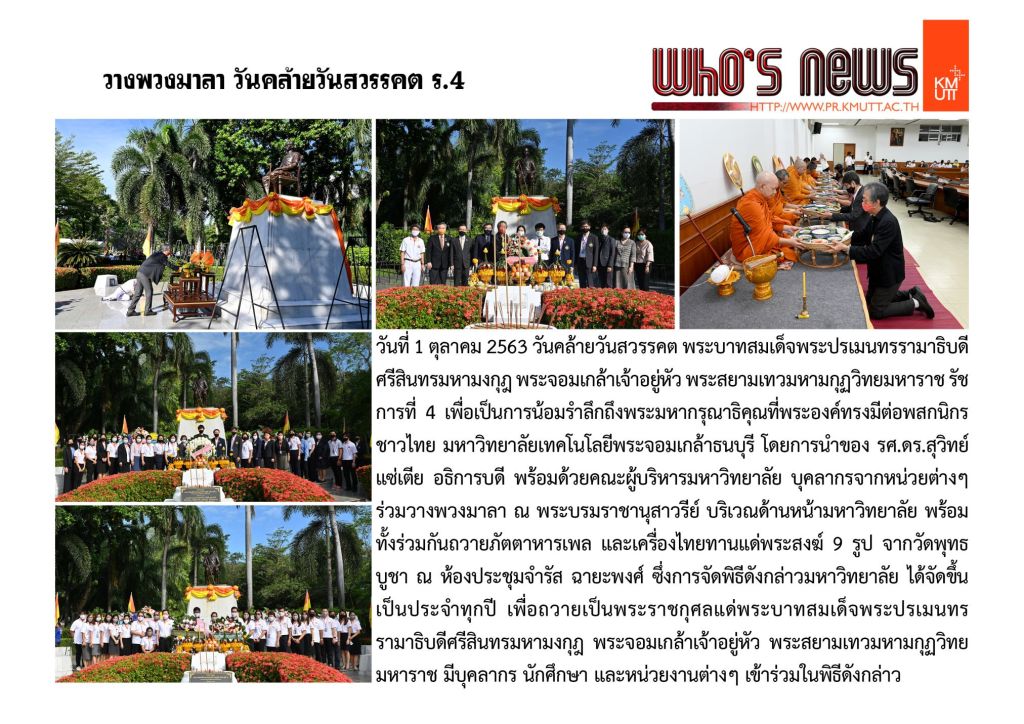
[607, 309]
[288, 668]
[363, 477]
[149, 486]
[263, 485]
[429, 307]
[151, 668]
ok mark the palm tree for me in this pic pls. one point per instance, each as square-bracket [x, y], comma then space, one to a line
[650, 146]
[250, 511]
[316, 364]
[167, 525]
[140, 182]
[347, 548]
[476, 137]
[570, 127]
[234, 379]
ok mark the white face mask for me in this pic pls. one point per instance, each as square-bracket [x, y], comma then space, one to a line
[415, 232]
[625, 234]
[604, 231]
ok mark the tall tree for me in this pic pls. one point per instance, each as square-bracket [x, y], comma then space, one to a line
[250, 511]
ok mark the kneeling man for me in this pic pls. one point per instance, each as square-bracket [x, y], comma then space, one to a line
[879, 244]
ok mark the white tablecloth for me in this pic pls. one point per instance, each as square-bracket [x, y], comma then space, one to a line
[512, 304]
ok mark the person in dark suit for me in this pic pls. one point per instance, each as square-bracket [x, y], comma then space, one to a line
[562, 247]
[269, 451]
[586, 256]
[483, 246]
[234, 445]
[501, 240]
[257, 449]
[220, 447]
[124, 455]
[605, 259]
[462, 257]
[854, 214]
[439, 255]
[880, 245]
[67, 483]
[149, 274]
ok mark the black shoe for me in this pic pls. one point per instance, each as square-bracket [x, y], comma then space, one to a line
[132, 313]
[922, 302]
[149, 314]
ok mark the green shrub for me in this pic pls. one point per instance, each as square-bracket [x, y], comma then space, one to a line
[78, 254]
[608, 309]
[148, 486]
[154, 668]
[67, 278]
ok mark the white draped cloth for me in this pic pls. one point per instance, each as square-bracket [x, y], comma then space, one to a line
[512, 304]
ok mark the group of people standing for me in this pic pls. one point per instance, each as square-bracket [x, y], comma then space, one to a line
[319, 457]
[596, 259]
[330, 638]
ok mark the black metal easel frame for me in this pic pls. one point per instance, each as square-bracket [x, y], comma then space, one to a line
[247, 279]
[364, 319]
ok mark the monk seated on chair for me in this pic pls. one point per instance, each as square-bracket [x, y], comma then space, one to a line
[288, 171]
[755, 207]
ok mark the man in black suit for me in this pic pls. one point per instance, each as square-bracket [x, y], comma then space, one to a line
[854, 214]
[124, 455]
[482, 242]
[605, 259]
[69, 467]
[586, 256]
[462, 257]
[439, 255]
[269, 451]
[257, 449]
[220, 448]
[149, 274]
[562, 248]
[880, 245]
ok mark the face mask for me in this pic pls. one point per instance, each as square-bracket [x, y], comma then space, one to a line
[625, 234]
[487, 231]
[604, 231]
[640, 237]
[561, 232]
[318, 437]
[415, 232]
[462, 232]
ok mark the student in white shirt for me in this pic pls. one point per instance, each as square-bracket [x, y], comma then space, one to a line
[348, 463]
[126, 636]
[90, 460]
[138, 631]
[316, 629]
[411, 254]
[273, 635]
[354, 649]
[95, 640]
[327, 634]
[170, 450]
[114, 637]
[165, 627]
[78, 637]
[245, 456]
[148, 645]
[79, 476]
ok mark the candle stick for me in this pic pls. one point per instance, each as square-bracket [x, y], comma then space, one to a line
[804, 314]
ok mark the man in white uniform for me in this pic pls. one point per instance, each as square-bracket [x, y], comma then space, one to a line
[412, 252]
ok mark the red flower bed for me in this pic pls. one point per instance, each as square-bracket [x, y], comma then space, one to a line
[151, 486]
[258, 667]
[608, 309]
[263, 485]
[428, 307]
[140, 668]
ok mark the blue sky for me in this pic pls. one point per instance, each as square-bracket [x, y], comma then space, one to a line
[268, 518]
[587, 134]
[250, 346]
[102, 137]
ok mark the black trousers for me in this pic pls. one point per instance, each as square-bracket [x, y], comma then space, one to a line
[165, 644]
[78, 655]
[582, 272]
[461, 276]
[642, 277]
[438, 276]
[348, 472]
[90, 471]
[604, 279]
[142, 285]
[76, 477]
[293, 461]
[889, 302]
[336, 471]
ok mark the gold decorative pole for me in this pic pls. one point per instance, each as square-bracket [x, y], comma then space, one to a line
[804, 314]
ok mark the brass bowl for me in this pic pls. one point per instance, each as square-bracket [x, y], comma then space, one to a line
[725, 288]
[759, 271]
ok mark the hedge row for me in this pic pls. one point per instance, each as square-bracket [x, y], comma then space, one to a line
[251, 485]
[255, 667]
[443, 307]
[67, 278]
[151, 668]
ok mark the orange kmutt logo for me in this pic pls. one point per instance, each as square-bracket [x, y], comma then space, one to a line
[946, 62]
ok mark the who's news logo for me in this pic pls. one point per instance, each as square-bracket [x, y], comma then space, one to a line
[946, 60]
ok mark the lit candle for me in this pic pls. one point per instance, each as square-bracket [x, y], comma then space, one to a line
[805, 285]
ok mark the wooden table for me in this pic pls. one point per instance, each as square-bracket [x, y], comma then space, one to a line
[191, 296]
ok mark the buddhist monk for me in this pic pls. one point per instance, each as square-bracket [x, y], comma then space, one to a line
[796, 190]
[784, 214]
[756, 209]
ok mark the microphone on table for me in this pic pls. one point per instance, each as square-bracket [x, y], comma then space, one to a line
[746, 229]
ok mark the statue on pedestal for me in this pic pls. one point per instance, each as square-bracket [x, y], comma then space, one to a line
[287, 172]
[199, 390]
[526, 172]
[211, 562]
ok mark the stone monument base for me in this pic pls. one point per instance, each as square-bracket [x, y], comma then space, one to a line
[199, 494]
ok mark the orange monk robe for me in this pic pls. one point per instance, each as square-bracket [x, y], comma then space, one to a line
[794, 190]
[757, 212]
[781, 217]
